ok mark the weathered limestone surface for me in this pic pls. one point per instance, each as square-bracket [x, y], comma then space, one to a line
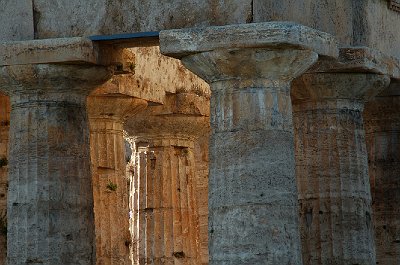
[165, 212]
[82, 18]
[50, 199]
[354, 23]
[332, 166]
[16, 18]
[4, 128]
[382, 125]
[110, 186]
[202, 162]
[252, 187]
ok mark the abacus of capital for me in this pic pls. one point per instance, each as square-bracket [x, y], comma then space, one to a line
[293, 156]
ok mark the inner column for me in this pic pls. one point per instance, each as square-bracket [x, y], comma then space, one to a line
[253, 216]
[332, 166]
[165, 212]
[50, 199]
[382, 126]
[110, 186]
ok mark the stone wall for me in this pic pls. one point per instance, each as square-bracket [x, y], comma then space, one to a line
[358, 23]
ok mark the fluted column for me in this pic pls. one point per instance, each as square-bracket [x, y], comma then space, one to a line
[252, 185]
[382, 125]
[165, 213]
[50, 199]
[4, 128]
[332, 166]
[110, 186]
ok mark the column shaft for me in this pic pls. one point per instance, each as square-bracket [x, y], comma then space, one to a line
[332, 167]
[382, 124]
[50, 199]
[252, 188]
[164, 202]
[4, 130]
[110, 186]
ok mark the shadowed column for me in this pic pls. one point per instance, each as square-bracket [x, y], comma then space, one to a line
[4, 128]
[50, 199]
[382, 126]
[165, 212]
[332, 166]
[253, 215]
[110, 186]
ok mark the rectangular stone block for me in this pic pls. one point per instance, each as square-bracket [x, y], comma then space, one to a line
[356, 23]
[16, 20]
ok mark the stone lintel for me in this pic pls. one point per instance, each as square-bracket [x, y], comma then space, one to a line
[62, 50]
[183, 115]
[360, 59]
[274, 35]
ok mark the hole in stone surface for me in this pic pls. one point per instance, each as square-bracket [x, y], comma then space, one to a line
[321, 212]
[179, 255]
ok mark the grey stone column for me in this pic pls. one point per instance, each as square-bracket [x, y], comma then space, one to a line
[4, 135]
[382, 126]
[253, 214]
[107, 113]
[50, 199]
[332, 166]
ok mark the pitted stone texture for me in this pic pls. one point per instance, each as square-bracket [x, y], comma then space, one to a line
[332, 166]
[252, 186]
[382, 126]
[166, 227]
[154, 75]
[273, 35]
[111, 203]
[50, 200]
[4, 129]
[16, 18]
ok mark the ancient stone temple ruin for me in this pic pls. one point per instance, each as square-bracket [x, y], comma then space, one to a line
[190, 132]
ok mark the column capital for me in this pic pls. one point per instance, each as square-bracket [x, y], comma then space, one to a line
[57, 79]
[336, 86]
[115, 107]
[183, 116]
[257, 54]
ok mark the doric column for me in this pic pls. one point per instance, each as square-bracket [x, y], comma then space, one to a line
[382, 125]
[110, 186]
[4, 128]
[165, 214]
[50, 199]
[253, 214]
[332, 166]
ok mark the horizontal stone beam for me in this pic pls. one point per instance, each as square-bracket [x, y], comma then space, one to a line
[276, 35]
[360, 59]
[62, 50]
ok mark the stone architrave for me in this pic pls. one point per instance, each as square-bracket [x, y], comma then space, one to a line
[50, 199]
[107, 113]
[382, 126]
[165, 213]
[4, 128]
[331, 158]
[253, 210]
